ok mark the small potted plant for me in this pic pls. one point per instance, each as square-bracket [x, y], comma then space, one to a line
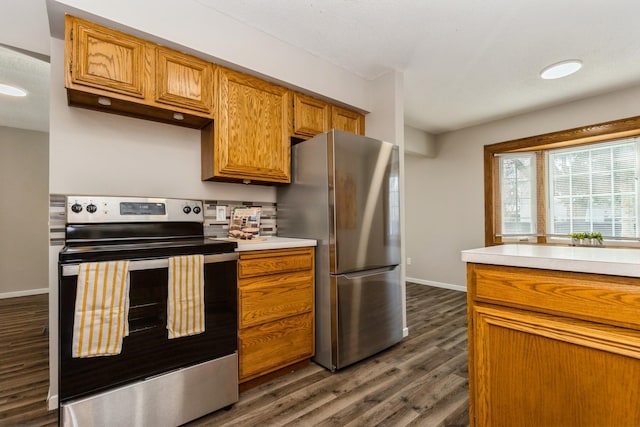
[577, 239]
[596, 238]
[586, 239]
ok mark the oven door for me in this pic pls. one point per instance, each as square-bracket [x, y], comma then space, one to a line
[147, 351]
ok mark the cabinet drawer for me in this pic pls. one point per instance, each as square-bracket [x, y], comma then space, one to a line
[274, 297]
[608, 299]
[273, 345]
[257, 263]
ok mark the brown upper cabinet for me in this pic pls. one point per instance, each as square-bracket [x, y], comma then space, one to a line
[347, 120]
[249, 139]
[183, 81]
[112, 71]
[311, 116]
[247, 123]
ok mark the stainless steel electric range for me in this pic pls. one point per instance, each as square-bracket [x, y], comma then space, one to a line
[154, 380]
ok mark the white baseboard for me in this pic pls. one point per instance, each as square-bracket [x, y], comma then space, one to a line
[52, 402]
[437, 284]
[24, 293]
[405, 332]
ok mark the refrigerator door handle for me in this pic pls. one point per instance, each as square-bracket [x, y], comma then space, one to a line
[358, 274]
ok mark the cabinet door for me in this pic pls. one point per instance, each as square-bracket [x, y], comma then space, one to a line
[347, 120]
[104, 58]
[251, 129]
[530, 369]
[310, 115]
[274, 345]
[183, 80]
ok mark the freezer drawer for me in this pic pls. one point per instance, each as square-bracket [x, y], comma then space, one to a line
[369, 313]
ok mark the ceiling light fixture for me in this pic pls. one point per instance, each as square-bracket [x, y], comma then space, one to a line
[561, 69]
[11, 90]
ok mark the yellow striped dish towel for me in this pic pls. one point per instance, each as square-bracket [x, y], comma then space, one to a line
[185, 303]
[101, 317]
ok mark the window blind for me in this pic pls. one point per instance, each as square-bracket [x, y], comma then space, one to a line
[594, 189]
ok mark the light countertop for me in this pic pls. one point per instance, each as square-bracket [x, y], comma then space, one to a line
[612, 261]
[272, 242]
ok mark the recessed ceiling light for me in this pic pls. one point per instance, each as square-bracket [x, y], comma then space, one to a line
[561, 69]
[11, 90]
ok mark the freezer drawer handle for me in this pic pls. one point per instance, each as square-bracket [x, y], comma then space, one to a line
[366, 273]
[149, 264]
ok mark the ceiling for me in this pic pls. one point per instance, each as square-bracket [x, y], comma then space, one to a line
[31, 73]
[464, 62]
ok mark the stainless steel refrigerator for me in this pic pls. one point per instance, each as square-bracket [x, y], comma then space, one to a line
[345, 194]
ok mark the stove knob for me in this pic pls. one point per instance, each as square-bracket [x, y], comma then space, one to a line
[76, 208]
[91, 208]
[186, 209]
[196, 209]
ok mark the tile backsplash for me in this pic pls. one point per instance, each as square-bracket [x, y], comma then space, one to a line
[212, 227]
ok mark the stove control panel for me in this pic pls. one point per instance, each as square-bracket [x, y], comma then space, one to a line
[98, 209]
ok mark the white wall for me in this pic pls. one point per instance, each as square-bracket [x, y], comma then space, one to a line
[445, 195]
[386, 122]
[23, 24]
[24, 232]
[99, 153]
[419, 143]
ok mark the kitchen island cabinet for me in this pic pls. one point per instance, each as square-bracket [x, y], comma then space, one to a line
[554, 336]
[275, 312]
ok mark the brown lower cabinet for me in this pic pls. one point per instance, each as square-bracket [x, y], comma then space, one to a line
[551, 348]
[276, 310]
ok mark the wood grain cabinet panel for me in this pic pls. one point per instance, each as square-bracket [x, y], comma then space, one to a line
[275, 310]
[249, 140]
[183, 80]
[114, 72]
[274, 345]
[537, 359]
[347, 120]
[260, 263]
[589, 296]
[273, 297]
[311, 116]
[105, 58]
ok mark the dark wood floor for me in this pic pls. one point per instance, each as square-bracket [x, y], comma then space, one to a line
[421, 381]
[24, 362]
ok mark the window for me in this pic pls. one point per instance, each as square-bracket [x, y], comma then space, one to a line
[594, 189]
[518, 194]
[542, 188]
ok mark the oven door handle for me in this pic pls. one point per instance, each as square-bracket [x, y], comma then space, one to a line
[150, 264]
